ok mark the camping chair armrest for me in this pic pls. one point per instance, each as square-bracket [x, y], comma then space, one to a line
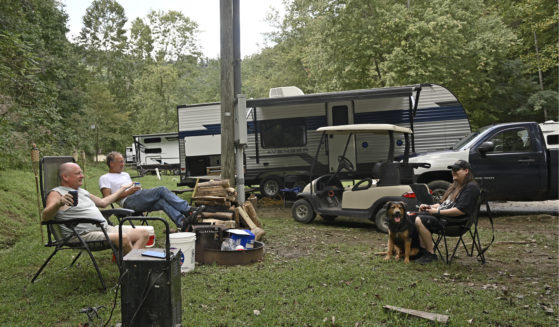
[73, 222]
[118, 212]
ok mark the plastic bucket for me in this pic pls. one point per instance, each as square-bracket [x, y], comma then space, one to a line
[185, 242]
[151, 240]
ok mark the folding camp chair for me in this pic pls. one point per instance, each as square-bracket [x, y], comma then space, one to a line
[50, 179]
[458, 228]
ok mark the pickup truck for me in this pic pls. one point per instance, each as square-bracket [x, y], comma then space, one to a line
[512, 161]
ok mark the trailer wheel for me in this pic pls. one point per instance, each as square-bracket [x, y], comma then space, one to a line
[270, 187]
[381, 220]
[438, 188]
[302, 211]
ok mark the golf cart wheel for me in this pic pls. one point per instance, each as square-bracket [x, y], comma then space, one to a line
[270, 187]
[381, 220]
[302, 211]
[438, 188]
[329, 218]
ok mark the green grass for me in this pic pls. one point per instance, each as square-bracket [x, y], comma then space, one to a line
[312, 275]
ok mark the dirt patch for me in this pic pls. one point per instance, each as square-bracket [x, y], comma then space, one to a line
[523, 259]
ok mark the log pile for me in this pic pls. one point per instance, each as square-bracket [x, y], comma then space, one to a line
[223, 209]
[214, 193]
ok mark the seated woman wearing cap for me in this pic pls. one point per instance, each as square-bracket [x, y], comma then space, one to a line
[458, 201]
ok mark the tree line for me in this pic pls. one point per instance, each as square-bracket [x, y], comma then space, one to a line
[95, 91]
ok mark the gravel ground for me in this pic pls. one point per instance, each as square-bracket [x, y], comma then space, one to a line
[550, 207]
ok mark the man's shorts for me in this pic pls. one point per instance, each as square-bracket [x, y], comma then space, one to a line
[96, 235]
[432, 223]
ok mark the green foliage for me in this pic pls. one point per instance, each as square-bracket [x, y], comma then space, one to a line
[478, 49]
[103, 27]
[174, 36]
[32, 62]
[541, 104]
[52, 91]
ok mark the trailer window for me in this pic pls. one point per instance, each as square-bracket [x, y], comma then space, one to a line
[340, 115]
[153, 150]
[152, 140]
[283, 133]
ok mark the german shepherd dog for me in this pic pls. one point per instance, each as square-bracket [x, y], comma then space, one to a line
[402, 233]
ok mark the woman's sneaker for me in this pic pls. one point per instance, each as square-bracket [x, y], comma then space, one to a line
[427, 258]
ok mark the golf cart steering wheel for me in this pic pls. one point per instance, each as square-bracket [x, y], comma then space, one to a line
[344, 162]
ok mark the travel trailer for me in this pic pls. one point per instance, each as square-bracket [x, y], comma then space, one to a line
[130, 155]
[150, 151]
[282, 131]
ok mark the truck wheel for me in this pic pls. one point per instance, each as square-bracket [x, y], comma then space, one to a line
[381, 220]
[438, 188]
[302, 211]
[270, 187]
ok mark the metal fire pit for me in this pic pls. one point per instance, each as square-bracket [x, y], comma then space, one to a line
[232, 258]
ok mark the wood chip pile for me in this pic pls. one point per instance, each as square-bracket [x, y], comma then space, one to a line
[223, 209]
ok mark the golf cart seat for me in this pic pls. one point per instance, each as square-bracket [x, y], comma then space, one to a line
[328, 183]
[388, 173]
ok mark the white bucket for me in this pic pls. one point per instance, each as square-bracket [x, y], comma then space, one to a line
[151, 232]
[185, 242]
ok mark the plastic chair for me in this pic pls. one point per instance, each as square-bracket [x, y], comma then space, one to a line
[458, 228]
[49, 179]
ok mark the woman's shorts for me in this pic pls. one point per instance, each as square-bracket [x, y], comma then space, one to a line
[432, 223]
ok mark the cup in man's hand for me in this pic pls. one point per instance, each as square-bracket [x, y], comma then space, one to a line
[74, 197]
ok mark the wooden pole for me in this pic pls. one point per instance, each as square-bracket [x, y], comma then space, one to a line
[227, 91]
[83, 165]
[35, 164]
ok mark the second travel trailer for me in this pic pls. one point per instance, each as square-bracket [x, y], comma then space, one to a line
[150, 151]
[282, 133]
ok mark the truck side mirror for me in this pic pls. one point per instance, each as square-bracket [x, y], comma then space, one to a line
[485, 147]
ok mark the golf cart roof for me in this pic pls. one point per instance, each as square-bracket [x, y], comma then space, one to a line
[364, 128]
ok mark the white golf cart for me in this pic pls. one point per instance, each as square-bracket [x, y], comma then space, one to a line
[390, 181]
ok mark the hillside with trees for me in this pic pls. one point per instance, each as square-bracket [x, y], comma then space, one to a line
[94, 92]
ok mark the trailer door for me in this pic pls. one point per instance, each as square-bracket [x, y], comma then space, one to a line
[340, 113]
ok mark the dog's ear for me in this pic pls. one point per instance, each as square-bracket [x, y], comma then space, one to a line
[403, 205]
[387, 205]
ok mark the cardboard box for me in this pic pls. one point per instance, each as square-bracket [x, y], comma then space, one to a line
[242, 237]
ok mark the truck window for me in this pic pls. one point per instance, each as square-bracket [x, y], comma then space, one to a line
[516, 140]
[283, 133]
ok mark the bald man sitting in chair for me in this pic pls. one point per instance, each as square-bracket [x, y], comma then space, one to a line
[59, 206]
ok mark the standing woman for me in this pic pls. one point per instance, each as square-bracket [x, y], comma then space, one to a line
[459, 201]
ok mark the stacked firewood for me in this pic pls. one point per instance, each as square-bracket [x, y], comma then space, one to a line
[223, 209]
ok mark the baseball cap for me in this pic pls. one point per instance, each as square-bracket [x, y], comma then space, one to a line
[460, 164]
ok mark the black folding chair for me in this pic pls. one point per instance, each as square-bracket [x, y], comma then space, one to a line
[458, 228]
[50, 179]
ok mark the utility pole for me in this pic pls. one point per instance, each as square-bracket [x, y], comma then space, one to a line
[227, 91]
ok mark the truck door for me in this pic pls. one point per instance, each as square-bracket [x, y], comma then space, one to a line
[515, 169]
[340, 113]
